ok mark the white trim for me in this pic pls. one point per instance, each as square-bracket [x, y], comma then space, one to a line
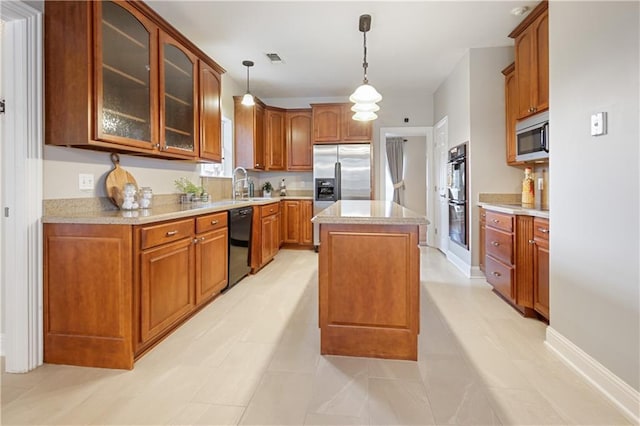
[22, 186]
[1, 347]
[462, 266]
[611, 386]
[477, 274]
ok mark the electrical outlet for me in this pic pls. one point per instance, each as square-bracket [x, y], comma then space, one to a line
[85, 182]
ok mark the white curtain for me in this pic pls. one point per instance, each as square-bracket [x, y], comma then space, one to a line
[395, 158]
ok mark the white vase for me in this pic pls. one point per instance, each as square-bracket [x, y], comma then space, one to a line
[266, 194]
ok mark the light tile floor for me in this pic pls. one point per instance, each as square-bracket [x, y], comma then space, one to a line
[252, 357]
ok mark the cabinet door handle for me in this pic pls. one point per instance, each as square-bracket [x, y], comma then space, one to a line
[195, 241]
[532, 241]
[171, 233]
[202, 238]
[495, 243]
[543, 230]
[497, 274]
[214, 222]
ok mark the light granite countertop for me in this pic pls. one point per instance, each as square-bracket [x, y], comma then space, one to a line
[156, 213]
[369, 212]
[516, 209]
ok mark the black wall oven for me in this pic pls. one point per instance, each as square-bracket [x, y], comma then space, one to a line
[457, 194]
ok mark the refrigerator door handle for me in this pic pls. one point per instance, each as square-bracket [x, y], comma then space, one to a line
[338, 175]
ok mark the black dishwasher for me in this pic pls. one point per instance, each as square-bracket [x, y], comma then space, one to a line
[239, 244]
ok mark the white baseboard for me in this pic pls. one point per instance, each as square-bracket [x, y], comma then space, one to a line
[620, 393]
[463, 266]
[476, 273]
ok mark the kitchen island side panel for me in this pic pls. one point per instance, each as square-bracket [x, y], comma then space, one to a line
[369, 277]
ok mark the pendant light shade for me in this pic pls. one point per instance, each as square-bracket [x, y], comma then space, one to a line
[365, 108]
[365, 116]
[247, 99]
[366, 96]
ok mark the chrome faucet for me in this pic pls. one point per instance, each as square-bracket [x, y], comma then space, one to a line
[235, 182]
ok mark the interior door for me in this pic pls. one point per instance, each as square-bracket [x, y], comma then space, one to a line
[440, 151]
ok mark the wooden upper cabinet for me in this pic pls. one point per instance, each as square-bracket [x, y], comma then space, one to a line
[179, 94]
[327, 121]
[119, 78]
[210, 114]
[275, 139]
[249, 134]
[511, 113]
[299, 145]
[532, 62]
[332, 123]
[354, 130]
[126, 85]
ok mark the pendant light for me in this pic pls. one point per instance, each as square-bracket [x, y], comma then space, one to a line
[365, 96]
[247, 99]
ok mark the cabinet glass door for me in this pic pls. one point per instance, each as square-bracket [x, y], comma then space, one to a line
[177, 80]
[125, 83]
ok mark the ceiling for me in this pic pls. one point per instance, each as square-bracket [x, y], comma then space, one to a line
[412, 46]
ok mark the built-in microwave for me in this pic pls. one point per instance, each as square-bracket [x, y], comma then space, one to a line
[532, 138]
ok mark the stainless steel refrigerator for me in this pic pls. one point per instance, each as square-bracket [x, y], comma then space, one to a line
[340, 172]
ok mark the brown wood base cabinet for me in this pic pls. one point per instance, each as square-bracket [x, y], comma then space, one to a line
[509, 258]
[297, 228]
[265, 235]
[369, 278]
[541, 266]
[112, 292]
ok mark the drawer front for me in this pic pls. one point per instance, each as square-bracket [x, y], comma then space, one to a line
[540, 229]
[500, 276]
[499, 245]
[500, 221]
[269, 209]
[211, 222]
[155, 235]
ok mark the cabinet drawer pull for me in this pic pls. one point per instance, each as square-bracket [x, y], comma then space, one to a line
[497, 274]
[171, 233]
[495, 221]
[483, 215]
[543, 230]
[270, 210]
[214, 222]
[495, 243]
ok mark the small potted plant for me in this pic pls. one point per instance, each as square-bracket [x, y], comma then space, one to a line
[189, 189]
[266, 189]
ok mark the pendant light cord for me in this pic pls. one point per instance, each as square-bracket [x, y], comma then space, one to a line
[248, 78]
[364, 63]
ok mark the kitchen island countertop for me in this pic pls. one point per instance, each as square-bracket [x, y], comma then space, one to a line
[369, 212]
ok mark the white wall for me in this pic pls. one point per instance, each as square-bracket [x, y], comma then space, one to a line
[594, 277]
[452, 99]
[487, 151]
[415, 174]
[472, 97]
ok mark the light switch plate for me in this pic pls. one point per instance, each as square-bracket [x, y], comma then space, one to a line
[85, 182]
[599, 124]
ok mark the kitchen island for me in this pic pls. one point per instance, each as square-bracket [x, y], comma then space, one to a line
[369, 280]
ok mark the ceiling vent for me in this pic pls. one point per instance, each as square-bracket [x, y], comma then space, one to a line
[275, 58]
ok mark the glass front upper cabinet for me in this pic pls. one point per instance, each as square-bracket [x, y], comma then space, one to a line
[126, 83]
[178, 71]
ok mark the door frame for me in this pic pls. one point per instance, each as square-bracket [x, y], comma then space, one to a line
[22, 185]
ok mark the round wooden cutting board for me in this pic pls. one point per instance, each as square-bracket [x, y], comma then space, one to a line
[116, 179]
